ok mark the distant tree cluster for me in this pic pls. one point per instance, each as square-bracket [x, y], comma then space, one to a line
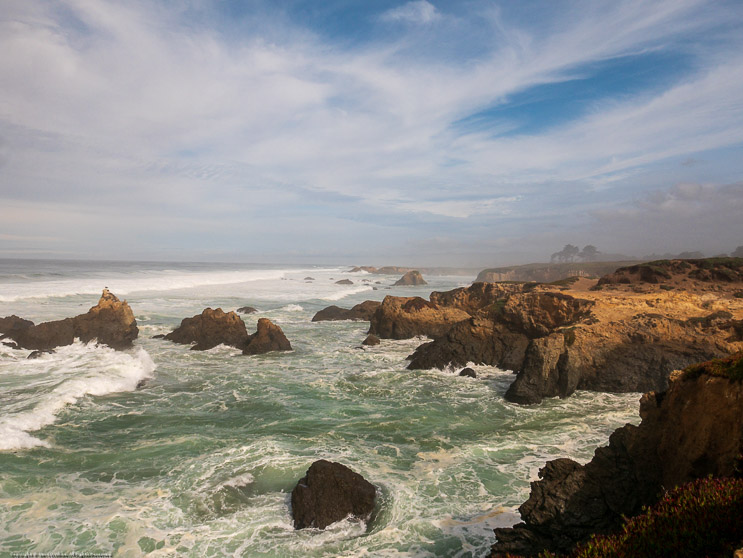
[738, 252]
[572, 253]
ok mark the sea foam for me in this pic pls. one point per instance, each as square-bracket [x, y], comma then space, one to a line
[113, 372]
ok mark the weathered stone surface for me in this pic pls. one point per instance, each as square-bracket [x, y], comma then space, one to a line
[371, 340]
[12, 323]
[411, 278]
[110, 322]
[330, 492]
[209, 329]
[406, 317]
[246, 310]
[268, 337]
[693, 430]
[362, 311]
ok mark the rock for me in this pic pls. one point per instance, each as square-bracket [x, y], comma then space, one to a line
[330, 492]
[366, 268]
[392, 270]
[685, 434]
[269, 337]
[411, 278]
[111, 322]
[344, 282]
[13, 323]
[246, 310]
[309, 278]
[209, 329]
[371, 340]
[36, 354]
[362, 311]
[468, 372]
[406, 317]
[11, 344]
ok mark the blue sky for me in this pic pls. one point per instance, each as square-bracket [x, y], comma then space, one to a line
[373, 132]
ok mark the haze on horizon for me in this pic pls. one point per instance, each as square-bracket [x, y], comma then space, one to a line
[425, 132]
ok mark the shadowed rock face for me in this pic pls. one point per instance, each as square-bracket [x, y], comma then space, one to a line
[411, 278]
[330, 492]
[209, 329]
[13, 323]
[406, 317]
[362, 311]
[693, 430]
[269, 337]
[110, 322]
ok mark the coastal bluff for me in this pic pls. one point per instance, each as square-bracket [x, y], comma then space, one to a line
[691, 431]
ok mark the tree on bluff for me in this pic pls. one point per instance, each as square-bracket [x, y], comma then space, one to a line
[738, 252]
[569, 254]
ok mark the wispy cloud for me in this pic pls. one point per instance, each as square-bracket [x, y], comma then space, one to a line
[419, 11]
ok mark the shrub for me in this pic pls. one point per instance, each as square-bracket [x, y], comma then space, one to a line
[730, 367]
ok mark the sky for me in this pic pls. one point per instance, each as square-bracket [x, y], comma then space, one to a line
[369, 132]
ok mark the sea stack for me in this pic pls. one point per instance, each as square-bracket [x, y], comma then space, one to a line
[411, 278]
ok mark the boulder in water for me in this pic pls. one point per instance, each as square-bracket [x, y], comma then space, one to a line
[468, 373]
[371, 340]
[330, 492]
[411, 278]
[344, 282]
[269, 337]
[209, 329]
[246, 310]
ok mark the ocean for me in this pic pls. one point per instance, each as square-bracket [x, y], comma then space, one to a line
[162, 451]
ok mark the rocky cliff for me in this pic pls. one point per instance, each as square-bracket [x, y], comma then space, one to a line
[692, 430]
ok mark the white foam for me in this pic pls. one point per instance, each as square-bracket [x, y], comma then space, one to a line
[292, 308]
[346, 292]
[113, 372]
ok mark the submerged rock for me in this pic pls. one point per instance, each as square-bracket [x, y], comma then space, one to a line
[371, 340]
[411, 278]
[13, 323]
[269, 337]
[344, 282]
[362, 311]
[37, 354]
[468, 373]
[110, 322]
[330, 492]
[246, 310]
[209, 329]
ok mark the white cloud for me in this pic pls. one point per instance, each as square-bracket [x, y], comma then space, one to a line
[418, 12]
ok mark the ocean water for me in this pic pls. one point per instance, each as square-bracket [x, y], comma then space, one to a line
[164, 451]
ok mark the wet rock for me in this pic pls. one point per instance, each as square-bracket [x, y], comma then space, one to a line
[411, 278]
[209, 329]
[269, 337]
[309, 278]
[468, 373]
[246, 310]
[344, 282]
[110, 322]
[371, 340]
[330, 492]
[37, 354]
[13, 323]
[362, 311]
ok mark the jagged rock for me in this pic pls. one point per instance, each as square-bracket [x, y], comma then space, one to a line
[330, 492]
[686, 433]
[246, 310]
[536, 314]
[485, 298]
[13, 323]
[392, 270]
[269, 337]
[720, 270]
[344, 282]
[371, 340]
[468, 373]
[111, 322]
[406, 317]
[366, 268]
[209, 329]
[37, 354]
[411, 278]
[362, 311]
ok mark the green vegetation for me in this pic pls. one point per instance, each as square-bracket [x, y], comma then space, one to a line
[730, 367]
[701, 518]
[564, 282]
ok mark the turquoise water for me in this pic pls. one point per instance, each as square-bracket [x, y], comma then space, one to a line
[200, 460]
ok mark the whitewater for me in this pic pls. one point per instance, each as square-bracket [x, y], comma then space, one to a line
[162, 451]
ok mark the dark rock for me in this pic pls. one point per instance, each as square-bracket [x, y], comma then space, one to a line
[330, 492]
[269, 337]
[159, 336]
[246, 310]
[468, 372]
[209, 329]
[406, 317]
[344, 282]
[371, 340]
[411, 278]
[309, 278]
[362, 311]
[13, 323]
[111, 322]
[36, 354]
[11, 344]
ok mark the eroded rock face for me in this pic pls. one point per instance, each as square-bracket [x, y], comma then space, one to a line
[246, 310]
[406, 317]
[110, 322]
[13, 323]
[362, 311]
[693, 430]
[330, 492]
[371, 340]
[269, 337]
[209, 329]
[411, 278]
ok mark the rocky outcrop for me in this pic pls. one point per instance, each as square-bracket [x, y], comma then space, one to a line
[344, 282]
[367, 268]
[546, 273]
[371, 340]
[406, 317]
[268, 337]
[709, 270]
[411, 278]
[110, 322]
[13, 323]
[246, 310]
[209, 329]
[693, 430]
[362, 311]
[468, 373]
[479, 298]
[330, 492]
